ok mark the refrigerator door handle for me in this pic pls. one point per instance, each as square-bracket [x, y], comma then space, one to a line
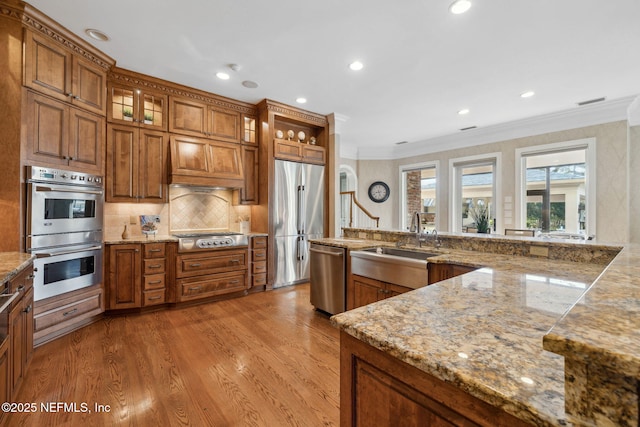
[299, 200]
[303, 212]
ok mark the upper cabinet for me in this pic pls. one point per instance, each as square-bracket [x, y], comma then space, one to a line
[60, 135]
[249, 133]
[204, 162]
[194, 118]
[53, 70]
[137, 107]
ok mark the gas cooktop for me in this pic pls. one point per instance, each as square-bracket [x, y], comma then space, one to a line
[191, 242]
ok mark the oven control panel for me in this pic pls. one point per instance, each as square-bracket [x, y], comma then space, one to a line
[60, 176]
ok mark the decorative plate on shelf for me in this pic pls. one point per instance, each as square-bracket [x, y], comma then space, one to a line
[279, 134]
[301, 136]
[312, 140]
[290, 134]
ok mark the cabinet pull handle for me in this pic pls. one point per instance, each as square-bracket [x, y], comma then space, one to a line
[155, 250]
[31, 276]
[155, 282]
[154, 298]
[28, 309]
[20, 288]
[233, 282]
[259, 255]
[197, 264]
[195, 288]
[155, 266]
[237, 261]
[70, 312]
[64, 158]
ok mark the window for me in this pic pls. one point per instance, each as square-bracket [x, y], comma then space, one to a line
[475, 188]
[419, 194]
[555, 192]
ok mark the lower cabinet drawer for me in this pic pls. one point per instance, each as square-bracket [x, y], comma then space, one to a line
[153, 266]
[154, 281]
[65, 313]
[153, 297]
[259, 279]
[259, 267]
[211, 285]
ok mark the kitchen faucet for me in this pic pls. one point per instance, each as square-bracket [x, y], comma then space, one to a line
[420, 236]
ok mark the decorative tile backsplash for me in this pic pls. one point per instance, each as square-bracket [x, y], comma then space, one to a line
[190, 209]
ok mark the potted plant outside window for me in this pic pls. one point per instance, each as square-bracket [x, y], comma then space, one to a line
[480, 215]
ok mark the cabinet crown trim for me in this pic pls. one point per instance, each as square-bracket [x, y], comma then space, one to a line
[38, 22]
[169, 89]
[283, 109]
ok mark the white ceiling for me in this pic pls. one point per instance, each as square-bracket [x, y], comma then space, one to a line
[422, 64]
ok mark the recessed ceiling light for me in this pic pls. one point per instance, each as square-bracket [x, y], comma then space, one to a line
[301, 100]
[527, 94]
[463, 111]
[97, 34]
[356, 65]
[222, 76]
[250, 84]
[460, 6]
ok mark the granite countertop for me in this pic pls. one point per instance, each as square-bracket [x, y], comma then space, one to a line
[483, 331]
[12, 263]
[347, 242]
[156, 238]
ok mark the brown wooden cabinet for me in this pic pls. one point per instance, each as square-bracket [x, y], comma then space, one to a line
[377, 389]
[20, 328]
[5, 374]
[51, 69]
[125, 268]
[59, 135]
[154, 267]
[64, 313]
[194, 118]
[250, 133]
[299, 152]
[443, 271]
[207, 274]
[366, 291]
[138, 107]
[136, 165]
[206, 162]
[248, 194]
[258, 268]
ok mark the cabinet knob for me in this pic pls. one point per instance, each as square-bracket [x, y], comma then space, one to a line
[137, 250]
[28, 309]
[20, 288]
[70, 95]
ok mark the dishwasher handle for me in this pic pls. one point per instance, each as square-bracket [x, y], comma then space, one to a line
[341, 253]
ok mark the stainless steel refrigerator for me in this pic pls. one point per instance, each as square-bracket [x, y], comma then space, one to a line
[298, 215]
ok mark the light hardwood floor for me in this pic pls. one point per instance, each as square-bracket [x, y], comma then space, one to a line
[267, 359]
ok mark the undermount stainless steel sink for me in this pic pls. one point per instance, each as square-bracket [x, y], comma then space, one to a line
[392, 265]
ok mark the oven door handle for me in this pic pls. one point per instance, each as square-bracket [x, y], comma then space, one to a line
[65, 190]
[75, 251]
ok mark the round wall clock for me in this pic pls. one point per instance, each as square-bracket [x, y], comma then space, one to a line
[379, 191]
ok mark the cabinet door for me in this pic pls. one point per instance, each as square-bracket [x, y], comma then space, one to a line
[86, 141]
[366, 291]
[226, 162]
[438, 272]
[5, 375]
[224, 125]
[89, 87]
[313, 154]
[286, 150]
[16, 334]
[189, 156]
[152, 110]
[47, 130]
[152, 170]
[122, 161]
[249, 135]
[188, 117]
[27, 304]
[249, 192]
[124, 276]
[47, 66]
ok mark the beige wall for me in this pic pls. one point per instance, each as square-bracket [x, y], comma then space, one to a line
[612, 223]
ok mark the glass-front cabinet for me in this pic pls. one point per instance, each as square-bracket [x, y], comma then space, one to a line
[137, 107]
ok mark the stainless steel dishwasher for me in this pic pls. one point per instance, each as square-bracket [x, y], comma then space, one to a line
[327, 278]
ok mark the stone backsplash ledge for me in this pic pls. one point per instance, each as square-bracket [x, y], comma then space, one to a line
[564, 250]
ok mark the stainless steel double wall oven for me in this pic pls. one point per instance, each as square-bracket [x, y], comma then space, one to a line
[64, 229]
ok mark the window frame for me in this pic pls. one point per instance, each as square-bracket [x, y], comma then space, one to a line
[521, 154]
[455, 186]
[403, 214]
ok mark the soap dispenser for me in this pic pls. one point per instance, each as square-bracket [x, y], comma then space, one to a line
[125, 232]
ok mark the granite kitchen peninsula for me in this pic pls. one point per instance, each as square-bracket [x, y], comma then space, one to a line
[487, 347]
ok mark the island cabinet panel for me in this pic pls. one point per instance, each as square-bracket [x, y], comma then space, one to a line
[53, 70]
[366, 291]
[377, 389]
[439, 272]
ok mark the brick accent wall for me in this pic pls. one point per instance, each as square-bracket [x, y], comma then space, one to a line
[414, 192]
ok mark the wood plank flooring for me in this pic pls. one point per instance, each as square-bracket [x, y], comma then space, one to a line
[267, 359]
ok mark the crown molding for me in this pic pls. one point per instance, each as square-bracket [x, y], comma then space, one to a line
[589, 115]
